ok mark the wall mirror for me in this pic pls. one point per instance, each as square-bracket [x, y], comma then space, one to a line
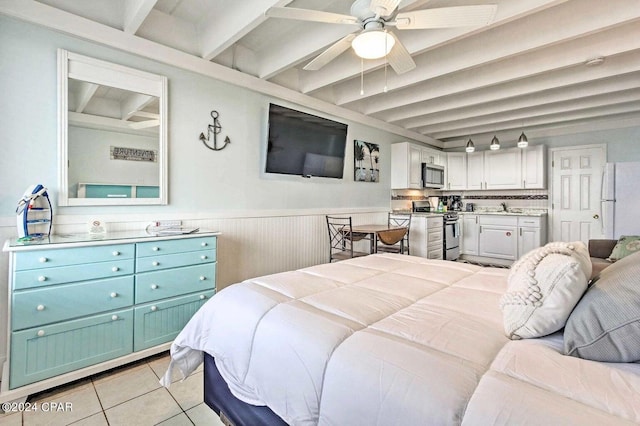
[112, 133]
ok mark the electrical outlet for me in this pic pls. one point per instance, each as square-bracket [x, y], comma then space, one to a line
[168, 223]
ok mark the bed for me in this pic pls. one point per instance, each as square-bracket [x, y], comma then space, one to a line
[390, 339]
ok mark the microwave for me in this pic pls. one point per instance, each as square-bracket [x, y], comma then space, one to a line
[432, 176]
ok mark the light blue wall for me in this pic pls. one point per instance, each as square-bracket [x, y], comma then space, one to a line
[199, 179]
[622, 144]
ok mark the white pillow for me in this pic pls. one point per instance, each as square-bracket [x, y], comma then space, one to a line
[543, 287]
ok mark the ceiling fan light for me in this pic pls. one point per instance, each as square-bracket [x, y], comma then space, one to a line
[495, 143]
[373, 44]
[523, 142]
[470, 146]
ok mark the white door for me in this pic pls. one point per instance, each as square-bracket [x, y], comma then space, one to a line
[575, 193]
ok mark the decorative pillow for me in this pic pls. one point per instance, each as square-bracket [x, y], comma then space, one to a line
[543, 287]
[627, 244]
[605, 325]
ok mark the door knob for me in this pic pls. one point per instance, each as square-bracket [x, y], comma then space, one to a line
[596, 216]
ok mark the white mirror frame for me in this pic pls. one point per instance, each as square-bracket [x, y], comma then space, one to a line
[72, 65]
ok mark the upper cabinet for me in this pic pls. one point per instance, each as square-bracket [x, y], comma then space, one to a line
[456, 171]
[475, 171]
[406, 164]
[503, 169]
[512, 168]
[534, 167]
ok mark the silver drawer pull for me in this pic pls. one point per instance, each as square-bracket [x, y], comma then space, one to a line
[154, 308]
[40, 307]
[43, 260]
[115, 253]
[155, 263]
[155, 248]
[40, 333]
[42, 278]
[115, 269]
[154, 286]
[202, 278]
[203, 257]
[204, 244]
[114, 317]
[114, 294]
[202, 297]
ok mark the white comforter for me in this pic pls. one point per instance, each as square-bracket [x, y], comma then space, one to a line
[396, 340]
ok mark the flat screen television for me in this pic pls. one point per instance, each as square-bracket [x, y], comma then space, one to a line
[305, 145]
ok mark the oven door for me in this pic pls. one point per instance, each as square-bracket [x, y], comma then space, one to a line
[451, 240]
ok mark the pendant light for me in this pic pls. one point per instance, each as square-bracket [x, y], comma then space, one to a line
[470, 146]
[495, 143]
[523, 142]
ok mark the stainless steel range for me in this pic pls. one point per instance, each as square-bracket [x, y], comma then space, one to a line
[451, 237]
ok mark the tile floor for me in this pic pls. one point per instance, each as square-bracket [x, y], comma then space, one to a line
[129, 395]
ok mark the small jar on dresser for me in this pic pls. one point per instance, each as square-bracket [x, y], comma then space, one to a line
[79, 304]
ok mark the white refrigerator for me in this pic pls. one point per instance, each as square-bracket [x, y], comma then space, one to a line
[621, 199]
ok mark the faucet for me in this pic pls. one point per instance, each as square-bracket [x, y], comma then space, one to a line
[504, 206]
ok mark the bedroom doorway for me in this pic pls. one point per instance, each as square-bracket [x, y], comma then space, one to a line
[576, 183]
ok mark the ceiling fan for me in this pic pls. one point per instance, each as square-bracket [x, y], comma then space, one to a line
[372, 40]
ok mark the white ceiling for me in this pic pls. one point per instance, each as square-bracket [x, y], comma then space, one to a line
[525, 71]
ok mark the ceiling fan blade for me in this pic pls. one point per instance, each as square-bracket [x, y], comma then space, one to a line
[384, 7]
[310, 15]
[331, 53]
[399, 58]
[447, 17]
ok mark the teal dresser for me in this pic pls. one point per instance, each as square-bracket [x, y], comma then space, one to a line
[79, 306]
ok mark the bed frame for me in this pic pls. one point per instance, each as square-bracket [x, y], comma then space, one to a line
[231, 410]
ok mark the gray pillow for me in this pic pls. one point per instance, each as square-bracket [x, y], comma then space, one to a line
[605, 324]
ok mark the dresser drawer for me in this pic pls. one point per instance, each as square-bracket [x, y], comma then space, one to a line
[72, 256]
[31, 308]
[157, 323]
[157, 262]
[155, 248]
[52, 276]
[174, 282]
[47, 351]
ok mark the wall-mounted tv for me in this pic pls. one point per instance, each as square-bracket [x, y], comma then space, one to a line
[305, 145]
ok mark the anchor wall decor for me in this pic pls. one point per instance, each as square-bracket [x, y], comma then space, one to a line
[214, 129]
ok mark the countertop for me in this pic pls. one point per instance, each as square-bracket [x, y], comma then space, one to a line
[509, 212]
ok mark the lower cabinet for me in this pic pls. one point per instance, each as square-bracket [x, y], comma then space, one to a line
[469, 234]
[425, 236]
[127, 298]
[160, 322]
[502, 237]
[53, 349]
[498, 237]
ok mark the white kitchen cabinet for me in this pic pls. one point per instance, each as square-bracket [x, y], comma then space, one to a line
[502, 169]
[425, 236]
[534, 167]
[531, 233]
[475, 170]
[456, 171]
[469, 234]
[498, 237]
[406, 166]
